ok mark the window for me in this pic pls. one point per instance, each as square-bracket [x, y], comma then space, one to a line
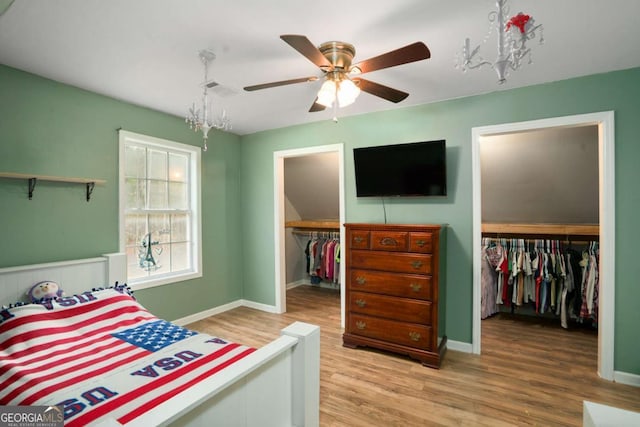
[159, 210]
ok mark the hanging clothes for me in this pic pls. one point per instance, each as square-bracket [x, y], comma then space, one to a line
[323, 259]
[490, 280]
[540, 274]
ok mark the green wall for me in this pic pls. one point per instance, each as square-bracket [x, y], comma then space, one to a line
[453, 121]
[49, 128]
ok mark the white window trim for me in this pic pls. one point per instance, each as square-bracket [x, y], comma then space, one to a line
[126, 137]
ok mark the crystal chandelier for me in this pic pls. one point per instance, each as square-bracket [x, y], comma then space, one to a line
[202, 122]
[513, 35]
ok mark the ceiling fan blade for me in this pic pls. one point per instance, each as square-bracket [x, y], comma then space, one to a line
[411, 53]
[306, 48]
[280, 83]
[316, 107]
[382, 91]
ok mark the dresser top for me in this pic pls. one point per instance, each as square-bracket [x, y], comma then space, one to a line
[399, 227]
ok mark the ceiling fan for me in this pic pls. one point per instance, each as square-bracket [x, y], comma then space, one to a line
[342, 83]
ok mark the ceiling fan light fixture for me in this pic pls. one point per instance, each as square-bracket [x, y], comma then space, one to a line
[347, 92]
[334, 59]
[327, 93]
[340, 88]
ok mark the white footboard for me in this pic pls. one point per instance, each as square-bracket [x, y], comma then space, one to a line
[277, 385]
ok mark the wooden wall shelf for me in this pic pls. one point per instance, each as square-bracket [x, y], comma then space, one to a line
[33, 179]
[315, 224]
[542, 229]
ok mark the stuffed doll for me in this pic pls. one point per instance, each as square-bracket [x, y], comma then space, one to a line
[43, 291]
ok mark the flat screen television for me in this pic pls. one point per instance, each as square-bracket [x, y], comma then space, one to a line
[414, 169]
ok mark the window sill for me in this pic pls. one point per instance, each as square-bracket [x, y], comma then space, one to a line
[155, 282]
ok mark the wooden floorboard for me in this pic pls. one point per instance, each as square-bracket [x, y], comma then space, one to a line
[529, 374]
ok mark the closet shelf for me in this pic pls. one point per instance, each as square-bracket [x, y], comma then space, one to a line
[33, 178]
[557, 229]
[317, 224]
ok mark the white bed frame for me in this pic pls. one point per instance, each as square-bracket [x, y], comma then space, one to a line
[277, 385]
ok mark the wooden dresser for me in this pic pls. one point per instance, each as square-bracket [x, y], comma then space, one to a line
[395, 289]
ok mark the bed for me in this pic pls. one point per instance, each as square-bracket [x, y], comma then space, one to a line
[107, 361]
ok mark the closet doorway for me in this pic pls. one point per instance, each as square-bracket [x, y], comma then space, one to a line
[281, 209]
[605, 128]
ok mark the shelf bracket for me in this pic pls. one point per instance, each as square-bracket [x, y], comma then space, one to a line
[32, 186]
[90, 186]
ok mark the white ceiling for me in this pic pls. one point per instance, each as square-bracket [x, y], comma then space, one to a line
[146, 51]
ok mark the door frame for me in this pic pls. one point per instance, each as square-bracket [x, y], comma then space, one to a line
[279, 217]
[606, 141]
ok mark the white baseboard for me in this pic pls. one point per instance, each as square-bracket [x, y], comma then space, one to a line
[221, 309]
[258, 306]
[464, 347]
[297, 283]
[626, 378]
[322, 284]
[206, 313]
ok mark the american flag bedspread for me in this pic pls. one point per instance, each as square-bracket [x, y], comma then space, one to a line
[101, 354]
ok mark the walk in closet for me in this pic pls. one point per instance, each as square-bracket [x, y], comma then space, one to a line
[540, 227]
[311, 220]
[553, 277]
[321, 250]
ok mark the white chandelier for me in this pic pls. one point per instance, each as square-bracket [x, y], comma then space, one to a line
[513, 35]
[202, 122]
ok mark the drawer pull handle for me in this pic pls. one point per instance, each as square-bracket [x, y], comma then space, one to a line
[416, 287]
[361, 303]
[421, 242]
[358, 239]
[388, 241]
[416, 264]
[415, 336]
[361, 280]
[360, 324]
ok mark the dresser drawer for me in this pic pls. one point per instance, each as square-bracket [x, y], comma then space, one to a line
[409, 334]
[421, 242]
[359, 239]
[389, 240]
[401, 309]
[402, 285]
[389, 261]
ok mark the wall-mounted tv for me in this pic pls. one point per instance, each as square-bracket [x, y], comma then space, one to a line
[413, 169]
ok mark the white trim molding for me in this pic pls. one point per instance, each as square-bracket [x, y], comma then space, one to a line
[626, 378]
[279, 219]
[193, 154]
[183, 321]
[259, 306]
[463, 347]
[207, 313]
[606, 147]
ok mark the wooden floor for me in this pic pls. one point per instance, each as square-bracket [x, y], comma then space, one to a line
[528, 374]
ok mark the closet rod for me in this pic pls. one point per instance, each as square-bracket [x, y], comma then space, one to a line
[321, 232]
